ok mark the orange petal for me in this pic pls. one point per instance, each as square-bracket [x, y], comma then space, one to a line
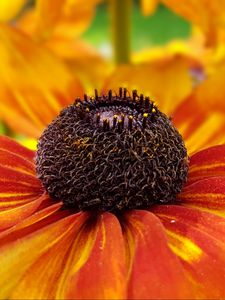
[198, 239]
[155, 272]
[199, 130]
[36, 259]
[103, 254]
[208, 15]
[79, 56]
[209, 193]
[69, 18]
[211, 90]
[148, 7]
[207, 163]
[47, 14]
[75, 18]
[28, 89]
[148, 78]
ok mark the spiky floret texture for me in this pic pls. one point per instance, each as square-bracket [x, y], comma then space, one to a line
[112, 153]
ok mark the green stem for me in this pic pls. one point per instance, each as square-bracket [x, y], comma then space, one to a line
[121, 29]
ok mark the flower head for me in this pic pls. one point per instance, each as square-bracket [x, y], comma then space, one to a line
[49, 250]
[112, 152]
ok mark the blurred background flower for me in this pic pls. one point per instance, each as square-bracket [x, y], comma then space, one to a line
[53, 51]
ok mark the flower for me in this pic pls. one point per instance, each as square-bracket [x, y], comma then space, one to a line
[50, 251]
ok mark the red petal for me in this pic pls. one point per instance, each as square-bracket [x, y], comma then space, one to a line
[155, 272]
[209, 192]
[19, 176]
[32, 264]
[20, 190]
[34, 218]
[9, 145]
[12, 216]
[100, 272]
[207, 163]
[198, 239]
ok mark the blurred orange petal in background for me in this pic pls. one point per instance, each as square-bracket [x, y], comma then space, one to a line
[208, 15]
[34, 84]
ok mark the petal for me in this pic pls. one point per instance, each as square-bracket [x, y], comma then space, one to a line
[207, 14]
[36, 259]
[9, 175]
[76, 18]
[21, 192]
[15, 148]
[103, 254]
[209, 193]
[16, 162]
[47, 14]
[207, 163]
[11, 216]
[155, 272]
[28, 90]
[9, 9]
[198, 239]
[211, 90]
[34, 218]
[199, 130]
[79, 56]
[148, 7]
[68, 19]
[147, 79]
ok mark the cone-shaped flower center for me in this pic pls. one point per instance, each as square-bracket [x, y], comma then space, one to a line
[112, 153]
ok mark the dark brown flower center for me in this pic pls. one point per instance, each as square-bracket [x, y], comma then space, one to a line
[111, 153]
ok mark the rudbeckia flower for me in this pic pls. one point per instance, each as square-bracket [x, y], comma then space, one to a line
[109, 212]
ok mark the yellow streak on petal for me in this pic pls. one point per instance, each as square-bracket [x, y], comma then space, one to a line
[130, 250]
[205, 167]
[10, 204]
[220, 213]
[184, 247]
[79, 255]
[103, 236]
[8, 195]
[29, 143]
[201, 196]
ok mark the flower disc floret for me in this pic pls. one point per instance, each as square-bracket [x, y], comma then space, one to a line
[112, 153]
